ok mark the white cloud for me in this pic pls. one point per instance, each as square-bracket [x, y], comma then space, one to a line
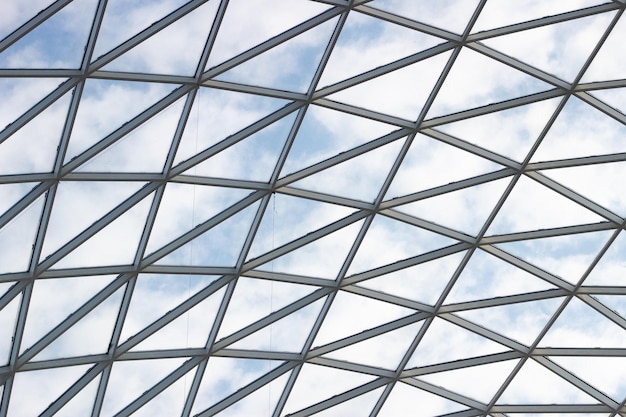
[316, 383]
[404, 397]
[53, 300]
[476, 80]
[581, 130]
[246, 26]
[32, 391]
[58, 42]
[174, 50]
[125, 18]
[497, 13]
[20, 94]
[351, 314]
[565, 46]
[129, 379]
[106, 106]
[366, 43]
[78, 205]
[430, 163]
[16, 12]
[452, 15]
[17, 238]
[520, 210]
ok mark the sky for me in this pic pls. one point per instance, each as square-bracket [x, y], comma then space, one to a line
[297, 207]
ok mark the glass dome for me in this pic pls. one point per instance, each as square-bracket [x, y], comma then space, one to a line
[312, 207]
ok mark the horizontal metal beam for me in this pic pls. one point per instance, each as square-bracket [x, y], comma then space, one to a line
[461, 364]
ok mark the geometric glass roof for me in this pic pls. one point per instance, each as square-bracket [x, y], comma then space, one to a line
[312, 207]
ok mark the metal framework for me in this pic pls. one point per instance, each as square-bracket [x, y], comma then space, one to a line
[372, 276]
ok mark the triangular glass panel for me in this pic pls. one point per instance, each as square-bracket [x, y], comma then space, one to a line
[263, 147]
[487, 276]
[400, 93]
[600, 372]
[106, 105]
[359, 178]
[18, 237]
[190, 205]
[125, 18]
[597, 182]
[107, 247]
[287, 218]
[535, 384]
[567, 256]
[355, 407]
[289, 66]
[18, 14]
[210, 248]
[608, 64]
[129, 379]
[497, 14]
[218, 114]
[614, 97]
[8, 317]
[465, 210]
[11, 193]
[4, 287]
[532, 206]
[510, 132]
[155, 294]
[317, 383]
[388, 240]
[610, 269]
[58, 42]
[462, 380]
[422, 282]
[404, 397]
[285, 335]
[190, 330]
[565, 45]
[617, 303]
[322, 258]
[78, 204]
[430, 163]
[582, 326]
[351, 314]
[459, 344]
[224, 376]
[33, 148]
[254, 299]
[82, 403]
[383, 351]
[90, 335]
[32, 391]
[476, 81]
[45, 312]
[143, 150]
[366, 43]
[174, 50]
[20, 94]
[262, 399]
[169, 402]
[248, 24]
[581, 130]
[522, 321]
[452, 15]
[325, 133]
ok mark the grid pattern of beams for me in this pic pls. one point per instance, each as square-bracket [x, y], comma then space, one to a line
[346, 207]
